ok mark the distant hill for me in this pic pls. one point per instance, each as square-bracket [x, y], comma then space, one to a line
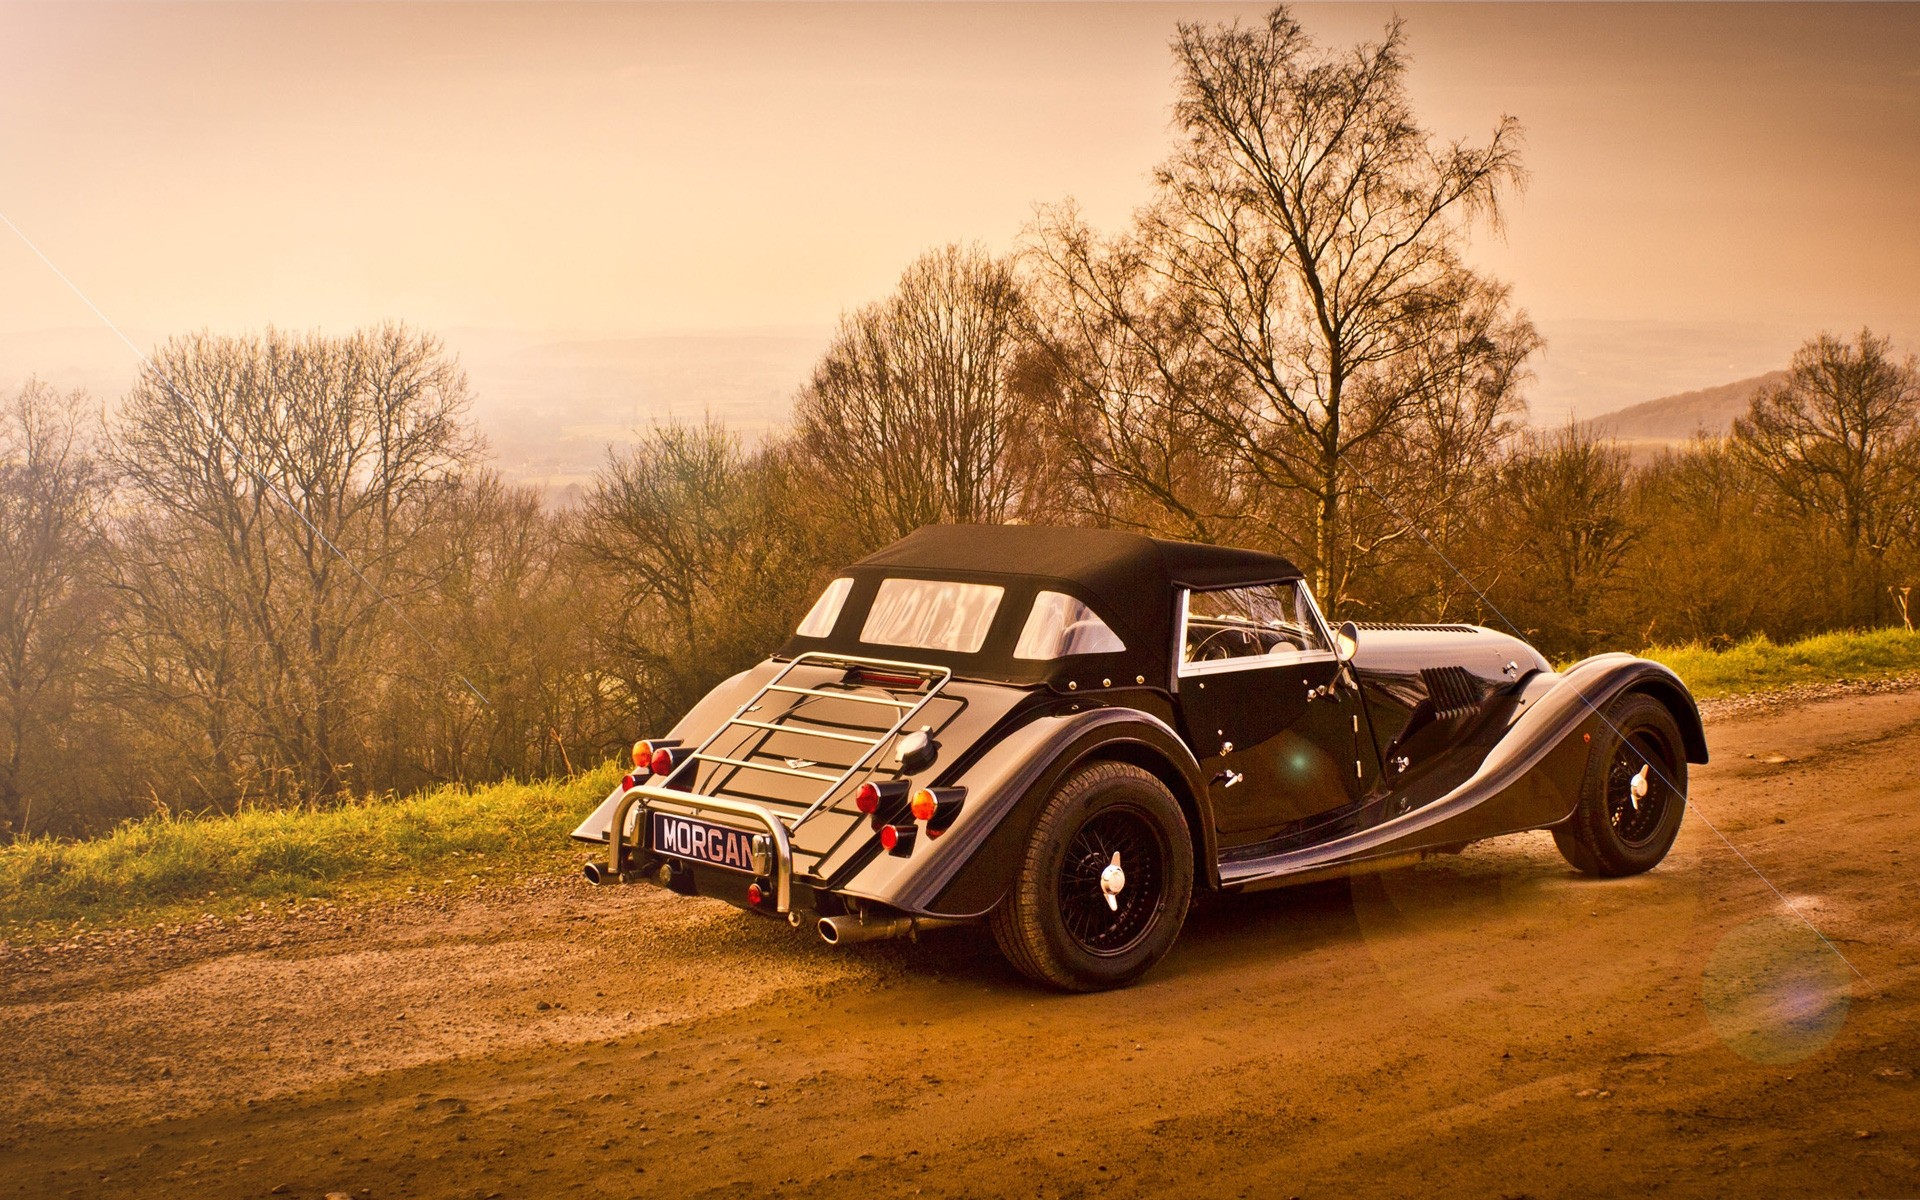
[1673, 419]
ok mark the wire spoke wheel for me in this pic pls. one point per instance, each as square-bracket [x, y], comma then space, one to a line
[1637, 819]
[1633, 795]
[1103, 884]
[1097, 927]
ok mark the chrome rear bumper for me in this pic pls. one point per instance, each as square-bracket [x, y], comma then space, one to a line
[620, 850]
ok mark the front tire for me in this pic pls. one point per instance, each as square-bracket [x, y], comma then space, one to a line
[1057, 926]
[1613, 832]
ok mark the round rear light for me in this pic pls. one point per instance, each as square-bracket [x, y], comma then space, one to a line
[754, 894]
[663, 761]
[642, 755]
[889, 836]
[626, 783]
[867, 799]
[924, 805]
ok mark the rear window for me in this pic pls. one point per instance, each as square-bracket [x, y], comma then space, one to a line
[1060, 625]
[929, 614]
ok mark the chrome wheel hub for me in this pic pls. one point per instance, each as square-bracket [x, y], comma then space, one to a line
[1113, 880]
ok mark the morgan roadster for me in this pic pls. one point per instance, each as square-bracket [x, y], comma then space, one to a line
[1068, 733]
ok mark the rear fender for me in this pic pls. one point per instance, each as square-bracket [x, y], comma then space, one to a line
[968, 870]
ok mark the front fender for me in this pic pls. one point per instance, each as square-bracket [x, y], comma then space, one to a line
[966, 871]
[1528, 780]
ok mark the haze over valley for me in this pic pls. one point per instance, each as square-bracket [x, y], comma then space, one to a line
[619, 214]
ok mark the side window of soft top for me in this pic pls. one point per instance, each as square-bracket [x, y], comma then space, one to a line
[820, 619]
[1058, 625]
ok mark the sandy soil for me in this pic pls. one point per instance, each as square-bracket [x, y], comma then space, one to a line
[1486, 1024]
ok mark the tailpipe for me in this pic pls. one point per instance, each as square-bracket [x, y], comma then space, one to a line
[599, 873]
[844, 931]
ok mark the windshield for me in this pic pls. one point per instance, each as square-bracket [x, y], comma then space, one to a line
[930, 614]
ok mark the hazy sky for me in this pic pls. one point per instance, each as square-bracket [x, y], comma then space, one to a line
[1710, 184]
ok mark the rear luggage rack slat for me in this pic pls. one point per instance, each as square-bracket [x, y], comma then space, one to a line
[782, 687]
[754, 766]
[804, 732]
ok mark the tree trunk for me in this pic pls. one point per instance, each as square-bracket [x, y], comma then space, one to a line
[1327, 539]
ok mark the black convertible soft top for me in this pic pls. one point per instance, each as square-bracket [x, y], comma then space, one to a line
[1129, 579]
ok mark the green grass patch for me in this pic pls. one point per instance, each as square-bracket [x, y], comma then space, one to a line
[165, 869]
[1759, 664]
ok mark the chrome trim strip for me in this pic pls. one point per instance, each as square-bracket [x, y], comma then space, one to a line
[1256, 662]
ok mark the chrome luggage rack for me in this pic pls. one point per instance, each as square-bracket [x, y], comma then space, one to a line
[776, 856]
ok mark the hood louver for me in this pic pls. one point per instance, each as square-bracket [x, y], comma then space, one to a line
[1453, 691]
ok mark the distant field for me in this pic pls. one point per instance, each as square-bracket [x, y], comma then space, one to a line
[168, 869]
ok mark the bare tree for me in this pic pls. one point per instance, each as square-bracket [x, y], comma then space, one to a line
[1318, 229]
[287, 480]
[1426, 481]
[1122, 370]
[1565, 523]
[51, 600]
[508, 611]
[704, 549]
[1839, 440]
[909, 413]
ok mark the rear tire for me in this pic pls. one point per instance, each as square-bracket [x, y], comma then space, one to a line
[1055, 926]
[1611, 832]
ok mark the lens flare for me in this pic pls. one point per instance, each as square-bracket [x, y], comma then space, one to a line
[1774, 994]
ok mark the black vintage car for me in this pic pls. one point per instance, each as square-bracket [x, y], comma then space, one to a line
[1065, 733]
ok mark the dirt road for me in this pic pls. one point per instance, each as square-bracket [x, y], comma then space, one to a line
[1485, 1024]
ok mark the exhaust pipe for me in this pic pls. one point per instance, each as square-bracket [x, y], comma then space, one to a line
[599, 873]
[844, 931]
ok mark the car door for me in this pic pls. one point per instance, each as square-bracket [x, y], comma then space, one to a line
[1270, 715]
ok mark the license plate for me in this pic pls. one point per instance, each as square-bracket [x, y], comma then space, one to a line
[714, 845]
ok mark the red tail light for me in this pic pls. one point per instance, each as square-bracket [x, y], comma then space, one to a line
[754, 894]
[898, 839]
[667, 758]
[880, 799]
[887, 679]
[647, 753]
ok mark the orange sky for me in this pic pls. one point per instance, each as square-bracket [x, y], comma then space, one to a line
[1710, 183]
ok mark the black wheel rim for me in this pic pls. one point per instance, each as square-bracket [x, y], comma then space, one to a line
[1637, 824]
[1094, 927]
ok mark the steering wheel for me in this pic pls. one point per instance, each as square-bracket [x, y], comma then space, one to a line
[1202, 653]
